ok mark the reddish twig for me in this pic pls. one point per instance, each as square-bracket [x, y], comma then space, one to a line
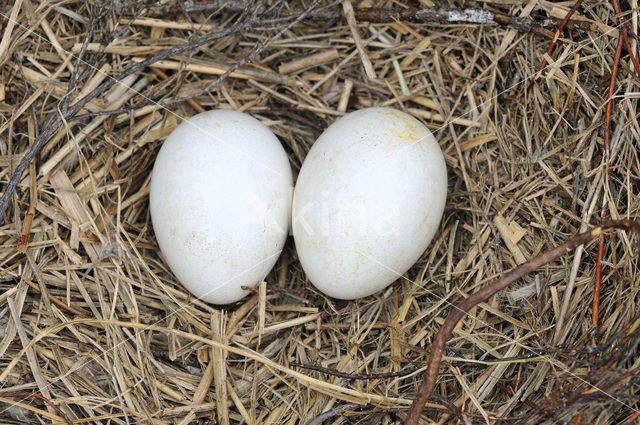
[552, 397]
[605, 158]
[607, 140]
[437, 349]
[41, 397]
[578, 420]
[625, 30]
[633, 417]
[552, 45]
[625, 36]
[192, 102]
[56, 301]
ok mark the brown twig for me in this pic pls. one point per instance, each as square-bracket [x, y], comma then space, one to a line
[57, 302]
[633, 417]
[363, 376]
[452, 407]
[437, 349]
[552, 45]
[624, 25]
[80, 58]
[278, 290]
[333, 412]
[192, 102]
[41, 397]
[352, 406]
[605, 159]
[23, 240]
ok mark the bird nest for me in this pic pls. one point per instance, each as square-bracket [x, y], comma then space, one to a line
[94, 327]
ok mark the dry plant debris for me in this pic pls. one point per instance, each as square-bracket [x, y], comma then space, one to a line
[95, 329]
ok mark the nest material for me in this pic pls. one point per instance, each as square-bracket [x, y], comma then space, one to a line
[92, 318]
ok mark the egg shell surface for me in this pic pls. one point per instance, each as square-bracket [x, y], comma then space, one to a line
[220, 203]
[368, 200]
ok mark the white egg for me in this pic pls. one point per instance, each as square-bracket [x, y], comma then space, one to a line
[220, 203]
[368, 200]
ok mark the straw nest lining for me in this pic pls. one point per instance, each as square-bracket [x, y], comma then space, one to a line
[92, 319]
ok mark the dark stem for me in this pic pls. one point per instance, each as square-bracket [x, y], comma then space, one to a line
[80, 58]
[552, 45]
[389, 15]
[458, 312]
[246, 59]
[605, 185]
[16, 57]
[363, 376]
[55, 123]
[41, 397]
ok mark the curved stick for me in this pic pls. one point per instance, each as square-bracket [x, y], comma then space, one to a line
[41, 397]
[458, 311]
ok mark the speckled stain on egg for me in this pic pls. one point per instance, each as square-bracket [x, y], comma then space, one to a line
[220, 203]
[368, 201]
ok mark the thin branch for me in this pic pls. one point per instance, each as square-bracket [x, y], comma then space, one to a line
[113, 35]
[552, 45]
[16, 57]
[388, 15]
[363, 376]
[80, 58]
[56, 301]
[453, 408]
[606, 157]
[246, 59]
[625, 30]
[296, 292]
[164, 77]
[41, 397]
[605, 187]
[57, 122]
[352, 406]
[333, 412]
[458, 312]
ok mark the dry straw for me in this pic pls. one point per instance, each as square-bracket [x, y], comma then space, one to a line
[92, 319]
